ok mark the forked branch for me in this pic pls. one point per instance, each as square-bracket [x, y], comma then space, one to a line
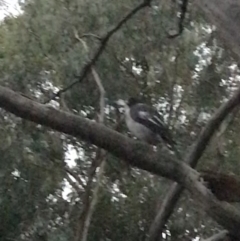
[103, 43]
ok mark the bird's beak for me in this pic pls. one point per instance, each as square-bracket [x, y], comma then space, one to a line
[120, 103]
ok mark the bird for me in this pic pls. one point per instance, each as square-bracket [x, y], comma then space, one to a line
[145, 123]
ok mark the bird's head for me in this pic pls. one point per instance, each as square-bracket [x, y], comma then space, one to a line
[120, 103]
[127, 104]
[132, 101]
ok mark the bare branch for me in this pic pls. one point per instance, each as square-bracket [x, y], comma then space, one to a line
[86, 35]
[75, 175]
[221, 236]
[101, 159]
[104, 41]
[74, 185]
[222, 129]
[166, 209]
[80, 225]
[191, 158]
[102, 95]
[94, 200]
[135, 153]
[88, 208]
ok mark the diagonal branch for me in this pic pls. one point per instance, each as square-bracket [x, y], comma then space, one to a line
[213, 124]
[85, 217]
[221, 236]
[74, 185]
[104, 40]
[102, 95]
[135, 153]
[191, 158]
[75, 176]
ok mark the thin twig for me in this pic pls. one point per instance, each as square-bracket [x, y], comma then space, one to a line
[94, 200]
[101, 160]
[74, 185]
[86, 35]
[76, 177]
[87, 212]
[85, 200]
[104, 40]
[102, 95]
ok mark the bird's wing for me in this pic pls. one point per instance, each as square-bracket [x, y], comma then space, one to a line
[150, 118]
[147, 116]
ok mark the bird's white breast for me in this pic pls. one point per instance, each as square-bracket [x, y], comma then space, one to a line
[138, 130]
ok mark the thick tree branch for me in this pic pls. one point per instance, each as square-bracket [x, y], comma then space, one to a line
[191, 158]
[136, 153]
[104, 41]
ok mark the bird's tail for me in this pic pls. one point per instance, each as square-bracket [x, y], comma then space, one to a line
[171, 144]
[173, 147]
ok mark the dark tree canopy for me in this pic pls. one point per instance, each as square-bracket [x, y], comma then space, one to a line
[63, 65]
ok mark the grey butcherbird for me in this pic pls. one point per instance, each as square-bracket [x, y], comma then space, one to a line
[144, 122]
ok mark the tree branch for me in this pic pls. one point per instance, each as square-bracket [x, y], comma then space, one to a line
[88, 206]
[75, 175]
[191, 158]
[74, 185]
[104, 41]
[135, 153]
[80, 225]
[94, 200]
[221, 236]
[101, 158]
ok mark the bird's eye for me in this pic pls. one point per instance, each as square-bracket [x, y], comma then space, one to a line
[132, 101]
